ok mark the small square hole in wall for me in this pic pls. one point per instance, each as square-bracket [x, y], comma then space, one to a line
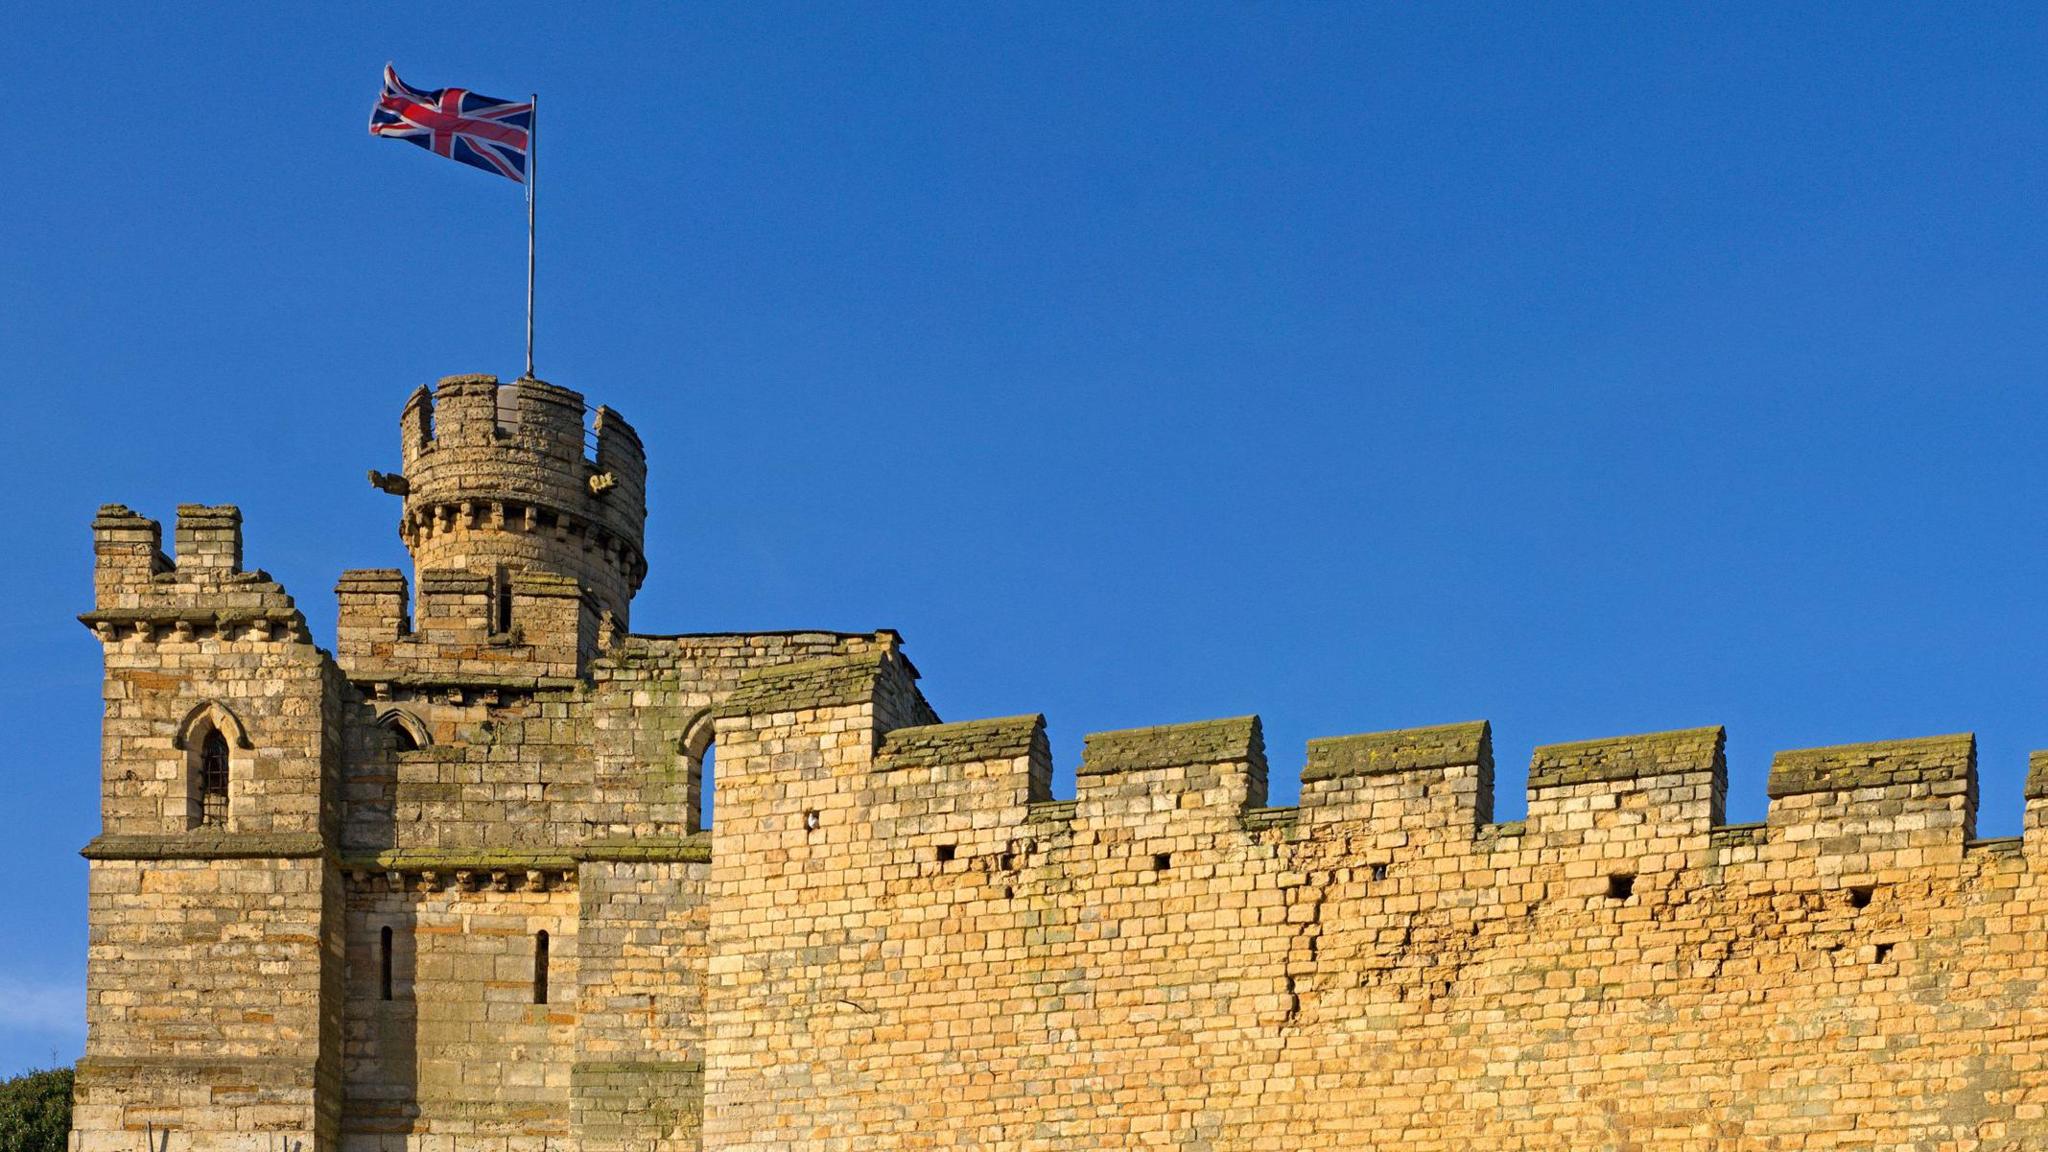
[1379, 871]
[1620, 887]
[1884, 953]
[946, 853]
[1161, 861]
[811, 820]
[1859, 897]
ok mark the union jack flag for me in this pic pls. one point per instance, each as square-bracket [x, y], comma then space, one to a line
[481, 131]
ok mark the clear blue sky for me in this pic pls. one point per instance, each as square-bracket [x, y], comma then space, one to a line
[1590, 370]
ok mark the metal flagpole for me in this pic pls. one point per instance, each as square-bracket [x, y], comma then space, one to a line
[532, 176]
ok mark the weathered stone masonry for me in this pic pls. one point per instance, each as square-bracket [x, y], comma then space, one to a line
[896, 937]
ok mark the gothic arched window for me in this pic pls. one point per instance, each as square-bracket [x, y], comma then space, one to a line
[213, 780]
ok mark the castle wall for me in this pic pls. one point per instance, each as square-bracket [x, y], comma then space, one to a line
[946, 961]
[639, 1071]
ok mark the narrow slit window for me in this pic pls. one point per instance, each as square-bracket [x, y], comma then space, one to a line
[540, 967]
[213, 781]
[384, 964]
[503, 622]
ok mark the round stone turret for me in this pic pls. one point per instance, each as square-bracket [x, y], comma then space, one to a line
[502, 479]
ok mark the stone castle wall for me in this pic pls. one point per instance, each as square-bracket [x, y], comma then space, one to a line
[892, 935]
[1162, 962]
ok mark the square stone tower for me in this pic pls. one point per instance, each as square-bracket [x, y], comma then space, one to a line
[445, 887]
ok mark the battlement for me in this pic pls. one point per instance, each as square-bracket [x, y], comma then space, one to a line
[209, 538]
[1653, 802]
[467, 627]
[523, 476]
[140, 593]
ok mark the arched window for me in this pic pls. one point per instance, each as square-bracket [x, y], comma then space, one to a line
[213, 780]
[700, 759]
[707, 787]
[407, 733]
[208, 737]
[540, 967]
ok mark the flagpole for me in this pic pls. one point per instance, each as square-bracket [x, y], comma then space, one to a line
[532, 178]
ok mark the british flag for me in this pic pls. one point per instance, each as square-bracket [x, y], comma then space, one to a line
[480, 131]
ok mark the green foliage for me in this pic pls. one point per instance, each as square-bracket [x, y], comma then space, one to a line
[35, 1111]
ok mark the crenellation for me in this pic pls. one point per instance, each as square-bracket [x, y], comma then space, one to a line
[456, 606]
[209, 539]
[373, 615]
[1866, 807]
[128, 554]
[1151, 782]
[620, 459]
[969, 741]
[1933, 761]
[1434, 782]
[1629, 805]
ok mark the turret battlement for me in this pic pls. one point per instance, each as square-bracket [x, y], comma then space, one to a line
[523, 476]
[140, 592]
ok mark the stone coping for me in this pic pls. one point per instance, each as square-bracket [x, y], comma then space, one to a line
[832, 682]
[1235, 740]
[1401, 750]
[1685, 751]
[1884, 764]
[205, 845]
[965, 742]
